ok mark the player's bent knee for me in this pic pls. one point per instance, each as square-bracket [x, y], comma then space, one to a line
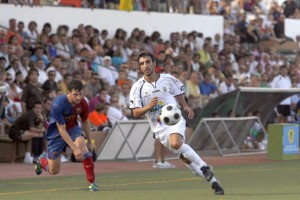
[175, 145]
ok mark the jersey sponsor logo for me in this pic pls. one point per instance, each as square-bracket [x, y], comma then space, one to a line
[182, 88]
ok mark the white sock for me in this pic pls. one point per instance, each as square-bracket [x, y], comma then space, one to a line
[27, 154]
[196, 169]
[191, 155]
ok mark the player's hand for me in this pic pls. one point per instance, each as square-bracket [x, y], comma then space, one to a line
[153, 102]
[190, 112]
[89, 146]
[78, 154]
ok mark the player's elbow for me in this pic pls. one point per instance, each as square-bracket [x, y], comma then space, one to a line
[136, 114]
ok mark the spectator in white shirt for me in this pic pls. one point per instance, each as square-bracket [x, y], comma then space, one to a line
[114, 112]
[282, 80]
[227, 85]
[107, 72]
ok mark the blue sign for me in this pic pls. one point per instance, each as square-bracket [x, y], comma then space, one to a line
[291, 139]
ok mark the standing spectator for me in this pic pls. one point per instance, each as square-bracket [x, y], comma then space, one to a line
[282, 80]
[63, 130]
[28, 126]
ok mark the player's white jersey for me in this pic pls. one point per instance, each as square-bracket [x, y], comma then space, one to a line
[165, 88]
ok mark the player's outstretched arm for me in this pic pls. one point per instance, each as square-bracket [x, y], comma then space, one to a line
[182, 102]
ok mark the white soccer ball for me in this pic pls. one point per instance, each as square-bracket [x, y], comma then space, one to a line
[170, 114]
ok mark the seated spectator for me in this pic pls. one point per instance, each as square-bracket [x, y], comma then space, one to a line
[50, 83]
[101, 97]
[123, 78]
[207, 88]
[193, 91]
[28, 126]
[227, 85]
[114, 112]
[39, 54]
[99, 119]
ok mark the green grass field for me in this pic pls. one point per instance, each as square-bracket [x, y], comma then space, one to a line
[276, 181]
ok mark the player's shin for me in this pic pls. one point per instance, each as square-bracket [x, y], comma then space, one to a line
[191, 155]
[88, 165]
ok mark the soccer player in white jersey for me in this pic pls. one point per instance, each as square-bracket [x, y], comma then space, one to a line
[148, 95]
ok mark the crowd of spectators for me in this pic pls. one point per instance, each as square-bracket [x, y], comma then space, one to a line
[38, 65]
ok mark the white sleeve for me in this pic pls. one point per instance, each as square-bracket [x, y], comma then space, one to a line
[176, 86]
[135, 100]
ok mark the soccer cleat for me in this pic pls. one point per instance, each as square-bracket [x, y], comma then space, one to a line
[38, 166]
[94, 187]
[207, 172]
[218, 189]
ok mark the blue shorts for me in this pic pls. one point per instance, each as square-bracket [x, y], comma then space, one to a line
[57, 145]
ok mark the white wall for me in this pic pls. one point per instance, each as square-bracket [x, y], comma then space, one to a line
[165, 23]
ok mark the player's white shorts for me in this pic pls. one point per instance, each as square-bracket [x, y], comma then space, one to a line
[164, 134]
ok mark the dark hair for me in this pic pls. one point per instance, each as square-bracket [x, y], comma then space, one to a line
[146, 54]
[32, 70]
[37, 102]
[75, 85]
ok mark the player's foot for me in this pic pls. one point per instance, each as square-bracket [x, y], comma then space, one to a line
[167, 165]
[94, 187]
[217, 188]
[207, 172]
[38, 165]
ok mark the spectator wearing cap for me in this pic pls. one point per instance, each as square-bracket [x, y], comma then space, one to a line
[106, 72]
